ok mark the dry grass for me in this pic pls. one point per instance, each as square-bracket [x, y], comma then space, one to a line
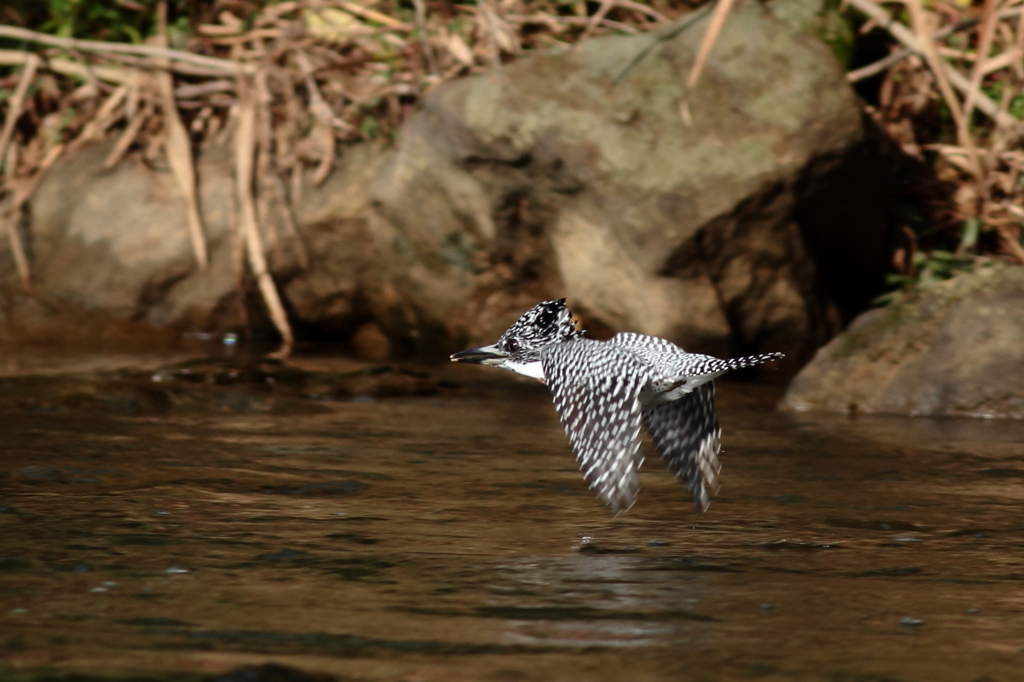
[966, 61]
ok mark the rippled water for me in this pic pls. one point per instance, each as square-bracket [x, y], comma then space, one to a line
[445, 537]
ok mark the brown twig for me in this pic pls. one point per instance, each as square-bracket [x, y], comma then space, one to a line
[710, 37]
[22, 193]
[66, 67]
[988, 29]
[9, 222]
[896, 57]
[179, 149]
[221, 65]
[592, 22]
[924, 30]
[104, 118]
[131, 131]
[245, 149]
[17, 102]
[373, 15]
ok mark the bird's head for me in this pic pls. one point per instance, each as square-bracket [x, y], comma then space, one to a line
[520, 346]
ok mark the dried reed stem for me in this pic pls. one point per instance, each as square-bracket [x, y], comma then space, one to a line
[66, 67]
[17, 102]
[245, 150]
[104, 118]
[372, 15]
[924, 29]
[710, 37]
[128, 136]
[592, 22]
[898, 56]
[179, 149]
[8, 219]
[988, 29]
[222, 66]
[22, 193]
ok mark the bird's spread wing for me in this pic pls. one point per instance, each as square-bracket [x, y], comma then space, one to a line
[596, 390]
[686, 433]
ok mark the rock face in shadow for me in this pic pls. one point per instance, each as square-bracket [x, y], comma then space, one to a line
[953, 348]
[594, 175]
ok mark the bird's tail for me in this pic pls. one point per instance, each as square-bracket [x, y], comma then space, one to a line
[752, 360]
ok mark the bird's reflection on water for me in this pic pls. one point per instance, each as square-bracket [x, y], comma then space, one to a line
[450, 537]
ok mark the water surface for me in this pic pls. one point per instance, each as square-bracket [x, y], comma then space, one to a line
[447, 535]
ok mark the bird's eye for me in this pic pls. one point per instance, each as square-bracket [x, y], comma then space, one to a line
[512, 345]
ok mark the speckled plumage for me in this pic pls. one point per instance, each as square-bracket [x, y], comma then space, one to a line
[604, 390]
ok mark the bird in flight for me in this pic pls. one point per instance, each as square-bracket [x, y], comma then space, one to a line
[604, 390]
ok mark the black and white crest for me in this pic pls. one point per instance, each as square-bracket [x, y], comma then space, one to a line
[544, 324]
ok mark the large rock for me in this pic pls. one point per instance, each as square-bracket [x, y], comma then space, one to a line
[117, 241]
[579, 174]
[949, 349]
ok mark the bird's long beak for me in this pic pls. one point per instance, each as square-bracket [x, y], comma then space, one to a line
[484, 355]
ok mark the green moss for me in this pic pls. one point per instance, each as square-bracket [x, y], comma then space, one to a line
[924, 303]
[836, 31]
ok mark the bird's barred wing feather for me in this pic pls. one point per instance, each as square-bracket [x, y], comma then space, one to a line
[596, 390]
[675, 363]
[686, 433]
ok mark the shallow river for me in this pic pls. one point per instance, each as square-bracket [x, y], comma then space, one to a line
[174, 530]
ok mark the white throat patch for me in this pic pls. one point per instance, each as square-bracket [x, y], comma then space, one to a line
[534, 369]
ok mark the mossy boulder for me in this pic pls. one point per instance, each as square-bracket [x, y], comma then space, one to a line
[953, 348]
